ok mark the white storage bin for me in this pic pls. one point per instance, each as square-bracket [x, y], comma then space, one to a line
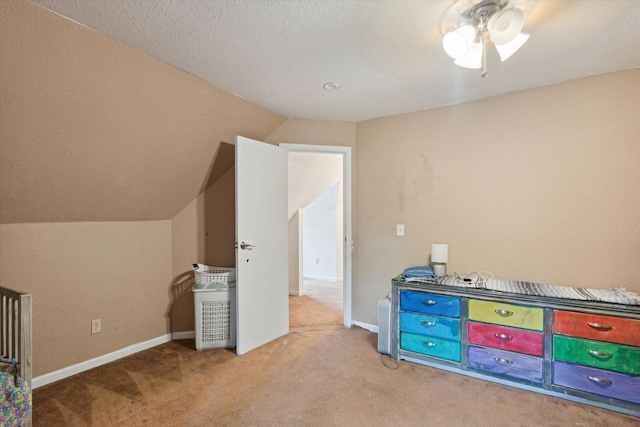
[209, 277]
[215, 316]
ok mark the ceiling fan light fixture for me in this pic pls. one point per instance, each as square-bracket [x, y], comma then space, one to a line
[456, 43]
[506, 50]
[469, 26]
[473, 59]
[505, 26]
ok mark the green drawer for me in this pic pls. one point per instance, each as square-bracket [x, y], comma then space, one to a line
[599, 354]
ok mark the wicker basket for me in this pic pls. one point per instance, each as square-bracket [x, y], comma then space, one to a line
[208, 277]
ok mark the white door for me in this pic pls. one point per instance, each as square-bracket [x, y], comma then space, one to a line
[262, 284]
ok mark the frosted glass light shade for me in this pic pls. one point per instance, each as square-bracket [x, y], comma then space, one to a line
[439, 252]
[506, 50]
[456, 43]
[504, 26]
[473, 59]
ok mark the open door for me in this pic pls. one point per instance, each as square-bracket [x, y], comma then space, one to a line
[262, 285]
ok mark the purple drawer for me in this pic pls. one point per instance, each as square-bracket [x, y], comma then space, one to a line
[597, 381]
[515, 365]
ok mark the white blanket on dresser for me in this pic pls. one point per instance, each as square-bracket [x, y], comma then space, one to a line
[613, 295]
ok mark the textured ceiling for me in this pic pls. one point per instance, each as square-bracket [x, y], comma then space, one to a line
[386, 55]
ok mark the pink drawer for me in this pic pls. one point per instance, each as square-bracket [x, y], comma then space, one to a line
[505, 338]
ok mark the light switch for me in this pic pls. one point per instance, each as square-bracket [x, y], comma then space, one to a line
[400, 230]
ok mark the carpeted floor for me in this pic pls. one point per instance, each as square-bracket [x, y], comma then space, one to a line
[320, 374]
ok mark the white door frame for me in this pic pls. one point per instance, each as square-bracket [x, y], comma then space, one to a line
[348, 242]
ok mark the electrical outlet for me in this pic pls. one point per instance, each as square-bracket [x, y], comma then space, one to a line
[96, 326]
[317, 260]
[400, 230]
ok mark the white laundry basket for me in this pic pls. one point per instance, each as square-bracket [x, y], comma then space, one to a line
[209, 277]
[215, 318]
[214, 297]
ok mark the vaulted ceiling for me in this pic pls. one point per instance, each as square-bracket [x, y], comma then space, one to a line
[386, 55]
[119, 116]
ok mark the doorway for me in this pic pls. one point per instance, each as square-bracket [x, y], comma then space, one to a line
[326, 267]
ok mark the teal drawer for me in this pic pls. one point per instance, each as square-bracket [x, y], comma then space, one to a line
[431, 346]
[435, 326]
[424, 302]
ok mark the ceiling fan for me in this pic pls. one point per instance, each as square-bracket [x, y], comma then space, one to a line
[468, 26]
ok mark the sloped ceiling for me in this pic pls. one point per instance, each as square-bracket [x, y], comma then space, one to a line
[93, 130]
[387, 55]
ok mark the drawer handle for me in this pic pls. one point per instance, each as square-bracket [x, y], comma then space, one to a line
[503, 361]
[429, 343]
[600, 381]
[504, 313]
[427, 323]
[600, 326]
[429, 302]
[600, 354]
[503, 337]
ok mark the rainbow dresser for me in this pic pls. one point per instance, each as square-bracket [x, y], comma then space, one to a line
[584, 351]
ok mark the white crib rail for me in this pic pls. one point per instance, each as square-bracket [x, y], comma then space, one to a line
[15, 329]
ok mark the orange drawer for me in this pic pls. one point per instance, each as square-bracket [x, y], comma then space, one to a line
[595, 327]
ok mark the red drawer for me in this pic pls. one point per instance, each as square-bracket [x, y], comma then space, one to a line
[502, 337]
[596, 327]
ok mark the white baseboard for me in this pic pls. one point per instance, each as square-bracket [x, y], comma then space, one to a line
[322, 278]
[296, 293]
[106, 358]
[367, 326]
[60, 374]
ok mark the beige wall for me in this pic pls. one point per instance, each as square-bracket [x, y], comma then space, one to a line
[203, 232]
[310, 176]
[540, 185]
[100, 147]
[119, 272]
[187, 239]
[93, 130]
[295, 131]
[296, 279]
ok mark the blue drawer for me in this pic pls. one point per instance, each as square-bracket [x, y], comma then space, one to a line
[502, 362]
[435, 326]
[436, 347]
[424, 302]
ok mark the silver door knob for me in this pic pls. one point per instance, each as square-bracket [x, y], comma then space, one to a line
[246, 246]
